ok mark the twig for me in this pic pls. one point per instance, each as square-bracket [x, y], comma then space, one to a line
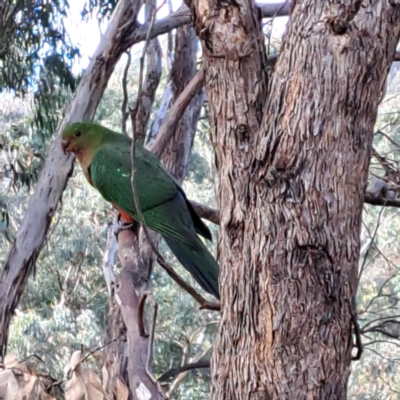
[357, 332]
[371, 244]
[96, 349]
[204, 304]
[125, 92]
[142, 302]
[206, 212]
[188, 367]
[32, 356]
[389, 317]
[152, 330]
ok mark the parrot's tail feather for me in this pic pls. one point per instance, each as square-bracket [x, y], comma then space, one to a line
[199, 262]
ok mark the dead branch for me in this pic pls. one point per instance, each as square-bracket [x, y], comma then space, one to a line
[185, 97]
[381, 202]
[204, 304]
[206, 212]
[371, 244]
[154, 305]
[125, 93]
[357, 332]
[188, 367]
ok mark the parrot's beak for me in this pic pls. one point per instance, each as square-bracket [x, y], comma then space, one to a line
[64, 145]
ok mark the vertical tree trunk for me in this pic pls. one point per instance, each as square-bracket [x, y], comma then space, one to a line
[291, 192]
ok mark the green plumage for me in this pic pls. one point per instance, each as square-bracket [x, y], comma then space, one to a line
[163, 203]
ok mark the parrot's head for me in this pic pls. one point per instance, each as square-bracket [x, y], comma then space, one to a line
[81, 137]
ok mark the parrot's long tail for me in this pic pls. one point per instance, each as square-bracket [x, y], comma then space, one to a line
[199, 262]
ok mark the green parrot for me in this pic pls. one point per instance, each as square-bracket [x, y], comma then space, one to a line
[105, 159]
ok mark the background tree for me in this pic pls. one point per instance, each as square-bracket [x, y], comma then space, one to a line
[282, 235]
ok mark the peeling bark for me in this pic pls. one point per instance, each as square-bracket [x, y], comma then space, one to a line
[291, 189]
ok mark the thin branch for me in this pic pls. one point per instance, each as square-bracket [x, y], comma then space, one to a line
[363, 330]
[357, 332]
[381, 202]
[204, 304]
[206, 212]
[188, 367]
[379, 294]
[125, 92]
[140, 115]
[152, 331]
[371, 243]
[96, 349]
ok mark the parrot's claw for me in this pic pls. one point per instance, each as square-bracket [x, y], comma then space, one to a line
[122, 226]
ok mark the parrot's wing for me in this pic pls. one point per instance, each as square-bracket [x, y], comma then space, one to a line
[111, 175]
[110, 172]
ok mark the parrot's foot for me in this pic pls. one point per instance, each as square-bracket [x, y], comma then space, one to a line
[122, 226]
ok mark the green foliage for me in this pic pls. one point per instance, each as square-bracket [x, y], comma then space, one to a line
[102, 8]
[36, 53]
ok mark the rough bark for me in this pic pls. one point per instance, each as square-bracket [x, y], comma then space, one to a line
[58, 167]
[291, 192]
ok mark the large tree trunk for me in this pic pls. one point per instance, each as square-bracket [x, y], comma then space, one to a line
[291, 192]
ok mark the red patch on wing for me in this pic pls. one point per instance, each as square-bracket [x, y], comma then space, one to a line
[124, 215]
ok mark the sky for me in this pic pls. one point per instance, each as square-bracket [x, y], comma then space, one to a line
[86, 35]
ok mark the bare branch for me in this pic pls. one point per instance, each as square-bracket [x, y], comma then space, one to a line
[371, 244]
[153, 303]
[188, 367]
[206, 212]
[381, 202]
[125, 93]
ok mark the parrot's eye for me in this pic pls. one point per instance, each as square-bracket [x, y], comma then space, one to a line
[78, 133]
